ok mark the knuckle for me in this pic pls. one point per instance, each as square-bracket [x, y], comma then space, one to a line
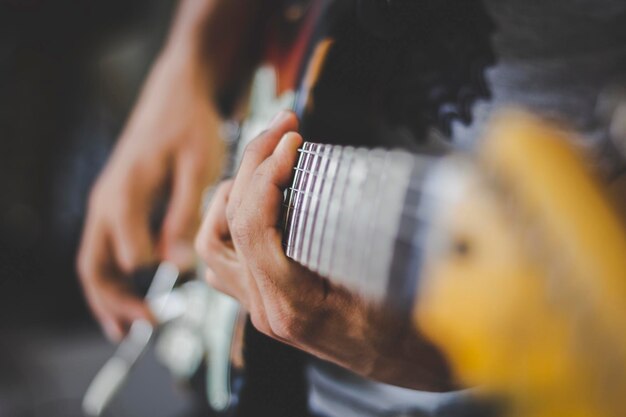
[123, 207]
[130, 260]
[261, 175]
[287, 327]
[179, 226]
[205, 244]
[254, 147]
[231, 211]
[210, 278]
[260, 324]
[287, 323]
[209, 255]
[200, 244]
[240, 231]
[200, 171]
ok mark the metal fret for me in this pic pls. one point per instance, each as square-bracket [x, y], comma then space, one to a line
[336, 200]
[346, 210]
[320, 164]
[293, 206]
[330, 177]
[312, 166]
[300, 197]
[377, 162]
[344, 242]
[299, 202]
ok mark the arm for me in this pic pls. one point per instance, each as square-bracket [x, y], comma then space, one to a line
[243, 249]
[170, 140]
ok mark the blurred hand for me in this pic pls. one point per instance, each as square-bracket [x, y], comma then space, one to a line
[171, 141]
[240, 240]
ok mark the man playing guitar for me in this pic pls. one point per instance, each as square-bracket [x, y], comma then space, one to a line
[174, 129]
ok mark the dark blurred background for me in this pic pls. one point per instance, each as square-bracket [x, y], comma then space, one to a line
[69, 73]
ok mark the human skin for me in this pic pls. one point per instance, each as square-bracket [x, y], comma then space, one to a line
[171, 141]
[240, 242]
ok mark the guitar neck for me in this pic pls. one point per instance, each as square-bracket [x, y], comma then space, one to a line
[352, 215]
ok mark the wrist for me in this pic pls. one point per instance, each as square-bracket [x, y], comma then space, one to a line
[184, 65]
[186, 46]
[190, 22]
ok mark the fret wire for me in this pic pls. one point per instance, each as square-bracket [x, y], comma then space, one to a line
[305, 205]
[302, 201]
[354, 197]
[310, 164]
[406, 212]
[410, 212]
[296, 182]
[288, 202]
[382, 231]
[328, 227]
[317, 186]
[348, 165]
[330, 178]
[411, 187]
[298, 197]
[375, 215]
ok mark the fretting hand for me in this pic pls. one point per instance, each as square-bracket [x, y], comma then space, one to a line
[240, 240]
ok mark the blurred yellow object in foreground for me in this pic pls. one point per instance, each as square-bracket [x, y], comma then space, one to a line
[528, 296]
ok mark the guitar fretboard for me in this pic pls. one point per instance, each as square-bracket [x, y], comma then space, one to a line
[350, 212]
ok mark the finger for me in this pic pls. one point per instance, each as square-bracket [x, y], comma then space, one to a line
[272, 177]
[259, 213]
[183, 214]
[226, 272]
[215, 224]
[261, 247]
[213, 244]
[257, 151]
[131, 239]
[116, 308]
[261, 242]
[102, 282]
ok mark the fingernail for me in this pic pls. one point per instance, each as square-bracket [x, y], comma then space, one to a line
[280, 117]
[182, 255]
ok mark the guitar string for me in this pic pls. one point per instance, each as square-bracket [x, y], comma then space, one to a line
[306, 199]
[305, 240]
[334, 163]
[318, 189]
[301, 199]
[382, 231]
[304, 195]
[347, 165]
[292, 220]
[408, 212]
[297, 168]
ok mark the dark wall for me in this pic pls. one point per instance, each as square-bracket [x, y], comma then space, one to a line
[69, 73]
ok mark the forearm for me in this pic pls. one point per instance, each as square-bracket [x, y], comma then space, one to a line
[221, 38]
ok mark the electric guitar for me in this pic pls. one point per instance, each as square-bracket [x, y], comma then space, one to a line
[517, 274]
[433, 236]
